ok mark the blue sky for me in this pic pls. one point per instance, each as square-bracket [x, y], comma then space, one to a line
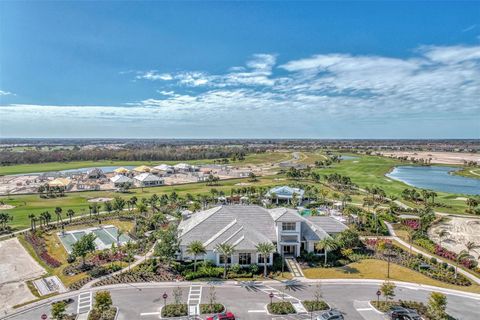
[240, 69]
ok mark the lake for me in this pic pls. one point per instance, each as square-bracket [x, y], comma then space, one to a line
[436, 178]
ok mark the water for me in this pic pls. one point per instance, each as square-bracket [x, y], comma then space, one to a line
[348, 157]
[436, 178]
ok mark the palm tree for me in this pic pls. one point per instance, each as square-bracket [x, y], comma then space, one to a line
[460, 257]
[226, 250]
[119, 234]
[471, 246]
[58, 212]
[196, 248]
[410, 239]
[31, 216]
[442, 233]
[265, 249]
[70, 214]
[326, 244]
[433, 194]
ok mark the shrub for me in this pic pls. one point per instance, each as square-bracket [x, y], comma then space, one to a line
[71, 258]
[315, 305]
[235, 268]
[211, 308]
[96, 314]
[283, 307]
[254, 268]
[433, 260]
[204, 273]
[174, 310]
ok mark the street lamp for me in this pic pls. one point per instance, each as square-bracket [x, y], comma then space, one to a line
[271, 295]
[379, 293]
[165, 296]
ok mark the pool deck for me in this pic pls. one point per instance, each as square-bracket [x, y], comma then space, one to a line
[98, 231]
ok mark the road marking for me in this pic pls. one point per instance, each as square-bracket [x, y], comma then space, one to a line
[149, 313]
[364, 309]
[257, 311]
[194, 299]
[84, 302]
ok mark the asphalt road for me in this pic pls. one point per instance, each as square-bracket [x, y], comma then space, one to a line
[248, 300]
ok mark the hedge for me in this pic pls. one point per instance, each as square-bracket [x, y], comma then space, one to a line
[315, 305]
[283, 307]
[175, 310]
[211, 308]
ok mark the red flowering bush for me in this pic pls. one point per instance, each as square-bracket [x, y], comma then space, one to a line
[39, 246]
[412, 223]
[442, 252]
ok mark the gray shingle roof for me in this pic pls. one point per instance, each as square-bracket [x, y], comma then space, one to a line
[285, 214]
[244, 226]
[328, 224]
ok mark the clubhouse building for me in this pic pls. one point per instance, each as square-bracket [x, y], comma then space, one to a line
[244, 227]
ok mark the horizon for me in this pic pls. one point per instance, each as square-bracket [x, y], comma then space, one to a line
[164, 70]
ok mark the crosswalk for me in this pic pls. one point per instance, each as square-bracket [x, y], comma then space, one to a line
[194, 299]
[84, 302]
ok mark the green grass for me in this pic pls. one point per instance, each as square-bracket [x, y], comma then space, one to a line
[370, 171]
[469, 172]
[78, 201]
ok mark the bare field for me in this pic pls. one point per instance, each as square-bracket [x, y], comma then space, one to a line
[461, 230]
[454, 158]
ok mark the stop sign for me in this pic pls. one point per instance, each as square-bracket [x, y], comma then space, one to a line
[44, 316]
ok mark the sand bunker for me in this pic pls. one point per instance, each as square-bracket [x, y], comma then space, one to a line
[461, 231]
[460, 198]
[243, 184]
[100, 199]
[6, 206]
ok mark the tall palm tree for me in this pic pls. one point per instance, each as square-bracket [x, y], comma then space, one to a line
[470, 245]
[31, 216]
[226, 250]
[410, 239]
[265, 249]
[326, 244]
[58, 212]
[119, 234]
[70, 214]
[460, 257]
[196, 248]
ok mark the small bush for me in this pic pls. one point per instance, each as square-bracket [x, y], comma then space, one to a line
[71, 258]
[283, 307]
[211, 308]
[235, 268]
[174, 310]
[315, 305]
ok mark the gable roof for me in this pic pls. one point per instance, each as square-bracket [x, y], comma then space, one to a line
[286, 191]
[120, 179]
[142, 169]
[242, 226]
[164, 167]
[328, 224]
[121, 170]
[285, 214]
[146, 177]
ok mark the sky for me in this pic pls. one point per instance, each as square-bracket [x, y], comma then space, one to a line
[240, 69]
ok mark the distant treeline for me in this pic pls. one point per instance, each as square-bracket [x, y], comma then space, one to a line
[128, 153]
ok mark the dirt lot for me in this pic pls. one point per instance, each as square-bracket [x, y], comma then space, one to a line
[461, 231]
[437, 157]
[16, 267]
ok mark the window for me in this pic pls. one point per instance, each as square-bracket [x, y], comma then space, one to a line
[288, 226]
[244, 258]
[261, 259]
[222, 259]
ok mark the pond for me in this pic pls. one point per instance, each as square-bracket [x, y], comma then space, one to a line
[343, 157]
[436, 178]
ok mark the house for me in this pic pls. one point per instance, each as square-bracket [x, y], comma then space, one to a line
[121, 170]
[285, 193]
[95, 173]
[142, 169]
[62, 183]
[164, 168]
[245, 226]
[147, 180]
[185, 167]
[121, 181]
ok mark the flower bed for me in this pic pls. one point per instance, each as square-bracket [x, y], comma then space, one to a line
[39, 246]
[315, 305]
[419, 263]
[174, 310]
[211, 308]
[421, 308]
[413, 224]
[283, 307]
[103, 315]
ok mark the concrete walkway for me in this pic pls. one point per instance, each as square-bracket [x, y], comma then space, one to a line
[294, 268]
[407, 245]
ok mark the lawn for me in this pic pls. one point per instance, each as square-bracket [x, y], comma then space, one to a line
[469, 172]
[367, 171]
[78, 201]
[377, 269]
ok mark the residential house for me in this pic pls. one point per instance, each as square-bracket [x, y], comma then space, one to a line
[164, 169]
[120, 181]
[95, 173]
[142, 169]
[147, 180]
[245, 226]
[121, 170]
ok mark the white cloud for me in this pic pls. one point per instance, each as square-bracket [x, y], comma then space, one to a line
[5, 93]
[154, 75]
[322, 92]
